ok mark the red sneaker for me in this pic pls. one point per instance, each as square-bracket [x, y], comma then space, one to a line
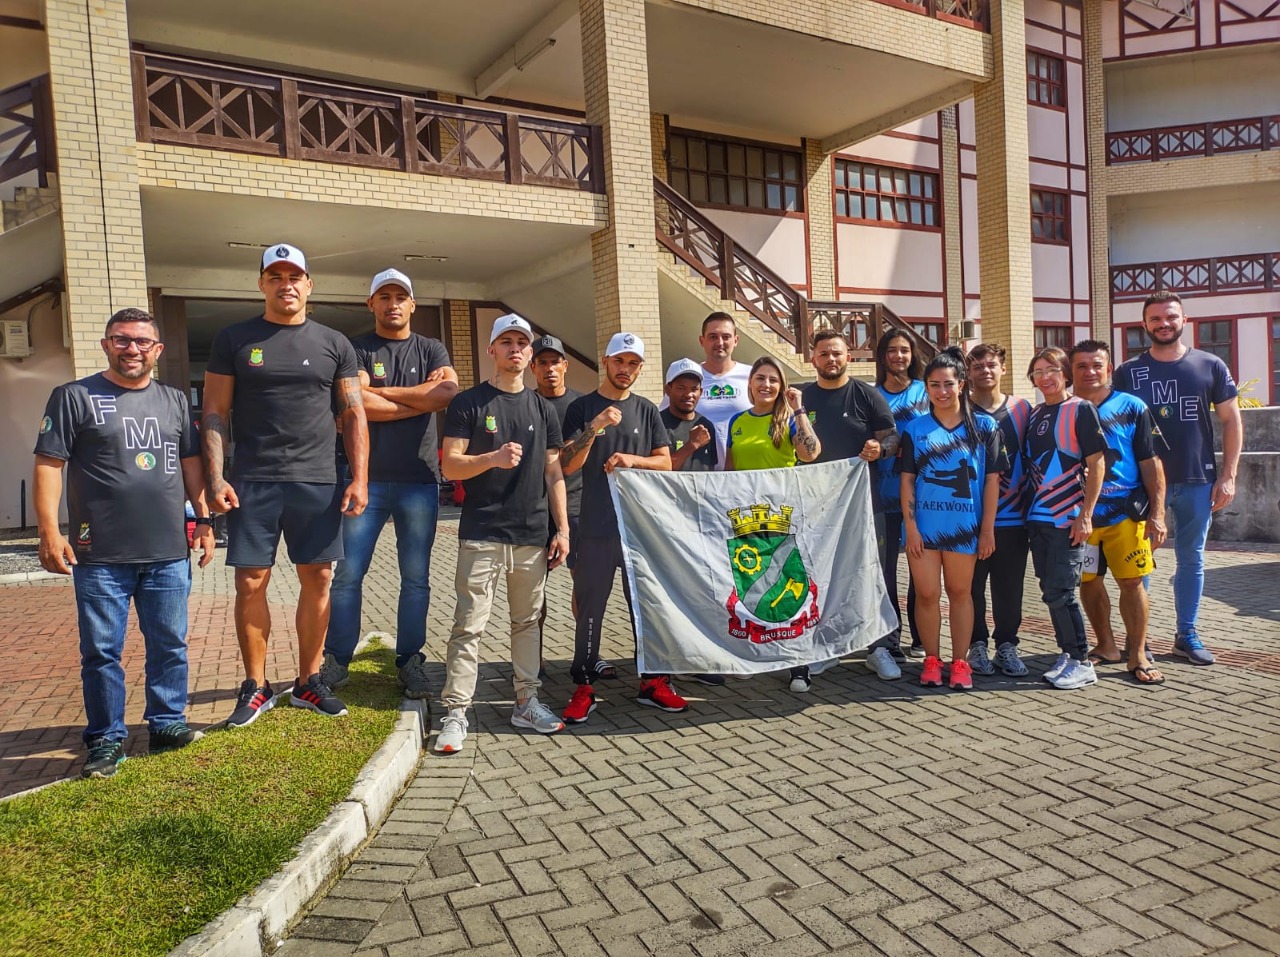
[658, 693]
[931, 673]
[581, 705]
[961, 675]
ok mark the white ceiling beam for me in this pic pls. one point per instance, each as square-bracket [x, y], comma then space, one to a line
[895, 118]
[536, 41]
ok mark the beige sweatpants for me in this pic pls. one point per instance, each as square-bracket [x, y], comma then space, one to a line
[480, 564]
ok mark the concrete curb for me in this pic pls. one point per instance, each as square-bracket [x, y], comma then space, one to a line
[257, 923]
[21, 578]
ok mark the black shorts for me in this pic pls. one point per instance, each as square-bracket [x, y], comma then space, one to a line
[309, 514]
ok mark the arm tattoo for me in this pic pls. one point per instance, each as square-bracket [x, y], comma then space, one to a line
[214, 434]
[578, 445]
[809, 443]
[349, 395]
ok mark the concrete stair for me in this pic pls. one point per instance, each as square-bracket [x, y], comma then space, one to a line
[29, 203]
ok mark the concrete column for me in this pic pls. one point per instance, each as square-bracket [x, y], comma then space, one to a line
[456, 323]
[819, 207]
[952, 238]
[658, 144]
[615, 73]
[1004, 195]
[92, 94]
[1095, 131]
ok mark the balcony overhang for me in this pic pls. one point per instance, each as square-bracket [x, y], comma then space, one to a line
[30, 254]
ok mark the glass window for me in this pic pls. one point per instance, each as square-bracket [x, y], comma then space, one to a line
[1046, 336]
[1049, 216]
[885, 194]
[1275, 360]
[1217, 336]
[741, 174]
[1135, 342]
[1045, 80]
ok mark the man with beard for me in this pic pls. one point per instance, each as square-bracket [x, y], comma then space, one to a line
[132, 456]
[724, 382]
[852, 420]
[1179, 384]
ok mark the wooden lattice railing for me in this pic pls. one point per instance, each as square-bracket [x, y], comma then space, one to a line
[26, 131]
[1194, 139]
[196, 103]
[1257, 272]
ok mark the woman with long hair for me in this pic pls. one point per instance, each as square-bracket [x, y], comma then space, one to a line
[950, 463]
[773, 433]
[899, 378]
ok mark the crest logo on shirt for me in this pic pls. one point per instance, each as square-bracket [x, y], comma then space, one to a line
[379, 370]
[1043, 428]
[773, 597]
[84, 537]
[679, 444]
[145, 461]
[813, 416]
[255, 356]
[45, 425]
[490, 424]
[725, 391]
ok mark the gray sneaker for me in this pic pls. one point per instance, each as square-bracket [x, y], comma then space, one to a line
[413, 678]
[332, 673]
[1008, 660]
[533, 715]
[979, 662]
[453, 731]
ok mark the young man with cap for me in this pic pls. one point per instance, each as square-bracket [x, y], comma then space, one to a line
[132, 456]
[503, 443]
[724, 382]
[693, 447]
[609, 429]
[404, 378]
[284, 376]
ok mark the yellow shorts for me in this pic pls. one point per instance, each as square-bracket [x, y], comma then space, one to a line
[1124, 548]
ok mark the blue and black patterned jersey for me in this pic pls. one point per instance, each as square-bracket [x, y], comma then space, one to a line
[1132, 437]
[1059, 439]
[950, 471]
[911, 403]
[1012, 418]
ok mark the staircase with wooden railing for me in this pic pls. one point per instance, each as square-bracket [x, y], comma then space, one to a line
[26, 131]
[741, 278]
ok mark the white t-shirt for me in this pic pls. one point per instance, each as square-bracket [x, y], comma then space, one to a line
[723, 397]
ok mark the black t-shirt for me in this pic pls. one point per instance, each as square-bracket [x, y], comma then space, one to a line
[505, 505]
[403, 450]
[282, 408]
[639, 433]
[845, 418]
[122, 447]
[572, 483]
[703, 460]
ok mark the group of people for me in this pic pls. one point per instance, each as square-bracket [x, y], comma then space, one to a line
[334, 437]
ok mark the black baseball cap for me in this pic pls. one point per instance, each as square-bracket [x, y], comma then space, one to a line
[549, 342]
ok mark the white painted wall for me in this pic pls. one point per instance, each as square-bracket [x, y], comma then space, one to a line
[877, 257]
[1218, 85]
[1218, 221]
[778, 241]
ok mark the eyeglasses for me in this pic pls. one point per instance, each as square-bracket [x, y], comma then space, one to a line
[1045, 373]
[123, 342]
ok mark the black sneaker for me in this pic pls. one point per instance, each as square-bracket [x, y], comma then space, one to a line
[317, 696]
[413, 678]
[173, 736]
[104, 757]
[251, 702]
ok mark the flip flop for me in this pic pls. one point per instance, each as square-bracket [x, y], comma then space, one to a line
[1098, 659]
[605, 671]
[1146, 675]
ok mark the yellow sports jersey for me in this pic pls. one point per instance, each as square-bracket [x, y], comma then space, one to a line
[752, 447]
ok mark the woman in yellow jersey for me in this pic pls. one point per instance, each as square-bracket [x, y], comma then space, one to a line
[773, 433]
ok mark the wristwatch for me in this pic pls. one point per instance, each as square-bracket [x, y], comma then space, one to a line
[204, 520]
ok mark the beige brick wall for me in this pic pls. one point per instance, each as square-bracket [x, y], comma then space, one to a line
[1004, 195]
[952, 237]
[820, 208]
[456, 316]
[97, 170]
[1095, 119]
[615, 71]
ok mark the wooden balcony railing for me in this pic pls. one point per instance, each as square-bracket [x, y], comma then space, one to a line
[966, 13]
[1258, 272]
[743, 279]
[1194, 139]
[26, 131]
[246, 111]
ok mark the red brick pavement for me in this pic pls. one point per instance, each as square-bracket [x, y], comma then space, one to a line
[40, 736]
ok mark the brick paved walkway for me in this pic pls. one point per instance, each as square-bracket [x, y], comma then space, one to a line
[865, 818]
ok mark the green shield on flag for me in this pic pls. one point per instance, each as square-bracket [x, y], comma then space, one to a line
[769, 575]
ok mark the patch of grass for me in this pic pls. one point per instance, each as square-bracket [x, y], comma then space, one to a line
[132, 865]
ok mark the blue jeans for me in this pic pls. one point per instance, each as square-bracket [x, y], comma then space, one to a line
[1191, 509]
[413, 508]
[159, 591]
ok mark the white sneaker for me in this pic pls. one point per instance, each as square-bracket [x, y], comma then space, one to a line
[1077, 674]
[818, 667]
[533, 715]
[1064, 659]
[800, 682]
[979, 661]
[881, 662]
[1008, 660]
[453, 731]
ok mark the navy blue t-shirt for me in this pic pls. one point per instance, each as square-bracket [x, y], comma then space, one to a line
[1132, 437]
[1059, 439]
[1179, 394]
[1012, 417]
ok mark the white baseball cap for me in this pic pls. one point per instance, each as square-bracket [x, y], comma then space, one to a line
[507, 323]
[283, 253]
[683, 367]
[625, 342]
[389, 277]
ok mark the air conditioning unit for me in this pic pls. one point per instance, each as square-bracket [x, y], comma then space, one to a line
[15, 339]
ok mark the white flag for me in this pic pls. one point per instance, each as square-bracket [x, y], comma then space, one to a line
[745, 572]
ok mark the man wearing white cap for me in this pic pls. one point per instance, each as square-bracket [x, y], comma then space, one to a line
[284, 376]
[404, 378]
[693, 447]
[503, 443]
[609, 429]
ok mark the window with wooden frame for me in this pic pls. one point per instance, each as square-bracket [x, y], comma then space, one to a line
[1275, 360]
[1218, 336]
[1045, 86]
[871, 193]
[1134, 342]
[719, 171]
[1050, 216]
[935, 332]
[1045, 336]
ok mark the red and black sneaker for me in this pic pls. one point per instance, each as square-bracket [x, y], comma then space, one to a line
[581, 705]
[252, 701]
[317, 696]
[659, 693]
